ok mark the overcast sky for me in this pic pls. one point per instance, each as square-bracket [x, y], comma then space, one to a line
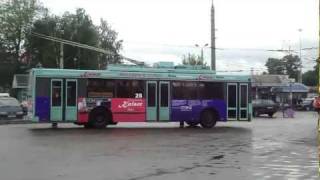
[164, 30]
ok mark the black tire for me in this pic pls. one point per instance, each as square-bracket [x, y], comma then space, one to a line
[270, 115]
[87, 126]
[208, 119]
[99, 121]
[113, 123]
[192, 123]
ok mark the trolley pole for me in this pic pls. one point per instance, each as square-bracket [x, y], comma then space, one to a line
[61, 56]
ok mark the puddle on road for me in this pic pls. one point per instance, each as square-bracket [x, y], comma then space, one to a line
[275, 161]
[217, 157]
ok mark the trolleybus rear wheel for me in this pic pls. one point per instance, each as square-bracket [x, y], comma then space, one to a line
[87, 125]
[208, 119]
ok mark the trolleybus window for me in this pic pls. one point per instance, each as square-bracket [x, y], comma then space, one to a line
[100, 88]
[232, 94]
[151, 95]
[71, 93]
[130, 89]
[184, 90]
[244, 96]
[164, 95]
[56, 93]
[211, 90]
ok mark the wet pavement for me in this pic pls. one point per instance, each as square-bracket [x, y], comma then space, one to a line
[267, 148]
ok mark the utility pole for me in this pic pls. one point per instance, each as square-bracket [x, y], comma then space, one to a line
[61, 56]
[300, 68]
[213, 39]
[318, 63]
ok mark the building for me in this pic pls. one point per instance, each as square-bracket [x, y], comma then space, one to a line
[278, 88]
[20, 86]
[262, 85]
[298, 90]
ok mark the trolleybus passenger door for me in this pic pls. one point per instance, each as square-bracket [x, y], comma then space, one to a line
[232, 101]
[164, 100]
[152, 100]
[71, 89]
[243, 99]
[56, 102]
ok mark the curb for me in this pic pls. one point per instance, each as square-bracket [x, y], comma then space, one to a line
[4, 122]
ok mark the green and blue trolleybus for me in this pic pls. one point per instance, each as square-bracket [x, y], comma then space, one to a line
[124, 93]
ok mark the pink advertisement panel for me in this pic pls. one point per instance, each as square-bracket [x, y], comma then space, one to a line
[128, 109]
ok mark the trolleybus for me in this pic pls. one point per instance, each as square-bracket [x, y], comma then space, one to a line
[123, 93]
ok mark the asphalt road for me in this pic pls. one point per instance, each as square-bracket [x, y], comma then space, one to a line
[267, 148]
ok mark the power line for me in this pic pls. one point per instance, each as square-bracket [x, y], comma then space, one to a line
[84, 46]
[226, 48]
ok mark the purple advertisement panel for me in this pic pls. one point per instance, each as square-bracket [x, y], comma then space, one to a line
[190, 110]
[42, 108]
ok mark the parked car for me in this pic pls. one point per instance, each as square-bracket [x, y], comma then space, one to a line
[306, 104]
[4, 95]
[10, 108]
[264, 106]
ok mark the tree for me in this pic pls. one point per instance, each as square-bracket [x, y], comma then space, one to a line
[7, 69]
[108, 40]
[275, 66]
[16, 17]
[41, 50]
[289, 65]
[192, 59]
[310, 78]
[77, 27]
[292, 65]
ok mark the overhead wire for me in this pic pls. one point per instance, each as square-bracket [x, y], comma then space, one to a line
[189, 46]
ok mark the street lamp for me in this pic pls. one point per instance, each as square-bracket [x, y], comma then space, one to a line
[300, 68]
[202, 47]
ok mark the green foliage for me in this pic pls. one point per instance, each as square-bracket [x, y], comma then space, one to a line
[16, 17]
[275, 66]
[289, 65]
[192, 59]
[310, 78]
[108, 40]
[7, 68]
[19, 50]
[79, 28]
[44, 51]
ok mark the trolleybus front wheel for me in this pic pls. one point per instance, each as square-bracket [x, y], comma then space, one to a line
[99, 121]
[208, 119]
